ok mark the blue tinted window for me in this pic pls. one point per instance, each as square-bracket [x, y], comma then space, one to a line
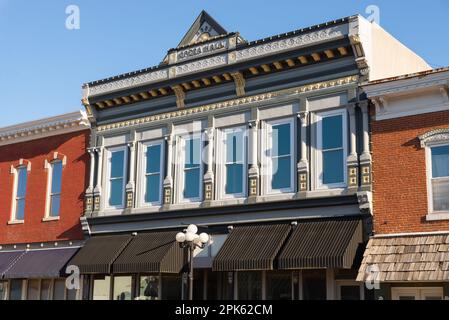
[56, 178]
[440, 161]
[20, 209]
[234, 147]
[152, 188]
[22, 182]
[332, 132]
[55, 205]
[192, 152]
[234, 176]
[333, 166]
[117, 161]
[281, 139]
[117, 178]
[281, 173]
[192, 183]
[153, 159]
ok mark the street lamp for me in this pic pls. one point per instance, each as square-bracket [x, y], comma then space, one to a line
[191, 240]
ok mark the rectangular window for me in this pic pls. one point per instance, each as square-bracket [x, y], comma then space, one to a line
[279, 285]
[440, 178]
[331, 149]
[15, 290]
[280, 156]
[102, 287]
[191, 166]
[149, 288]
[117, 177]
[55, 192]
[234, 163]
[123, 288]
[22, 177]
[33, 289]
[249, 285]
[45, 289]
[59, 289]
[3, 290]
[152, 172]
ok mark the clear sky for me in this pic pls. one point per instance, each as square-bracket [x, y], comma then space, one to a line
[43, 64]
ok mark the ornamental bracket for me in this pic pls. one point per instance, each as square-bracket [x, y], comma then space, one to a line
[239, 81]
[180, 96]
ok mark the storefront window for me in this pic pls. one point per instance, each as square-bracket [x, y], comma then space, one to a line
[279, 285]
[71, 294]
[171, 287]
[149, 288]
[15, 292]
[314, 284]
[249, 285]
[3, 290]
[33, 290]
[123, 288]
[45, 289]
[59, 290]
[102, 287]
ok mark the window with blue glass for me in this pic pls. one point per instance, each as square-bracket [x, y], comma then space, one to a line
[192, 168]
[55, 192]
[332, 149]
[117, 161]
[22, 177]
[153, 173]
[234, 176]
[439, 184]
[280, 153]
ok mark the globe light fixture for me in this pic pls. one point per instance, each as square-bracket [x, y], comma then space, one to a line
[191, 240]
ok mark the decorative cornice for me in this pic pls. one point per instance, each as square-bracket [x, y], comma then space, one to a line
[199, 65]
[44, 127]
[437, 135]
[230, 103]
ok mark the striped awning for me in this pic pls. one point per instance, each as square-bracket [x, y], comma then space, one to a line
[7, 259]
[45, 263]
[151, 252]
[98, 253]
[322, 243]
[252, 247]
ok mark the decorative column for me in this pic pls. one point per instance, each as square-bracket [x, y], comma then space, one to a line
[303, 164]
[168, 181]
[253, 173]
[130, 186]
[209, 175]
[365, 157]
[352, 160]
[97, 190]
[89, 197]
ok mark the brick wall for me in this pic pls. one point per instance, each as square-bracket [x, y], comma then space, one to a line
[399, 174]
[74, 178]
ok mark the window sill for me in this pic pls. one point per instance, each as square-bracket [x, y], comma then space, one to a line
[16, 222]
[437, 216]
[47, 219]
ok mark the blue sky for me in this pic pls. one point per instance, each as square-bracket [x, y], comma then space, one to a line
[43, 65]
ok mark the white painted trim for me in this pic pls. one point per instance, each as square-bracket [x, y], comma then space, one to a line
[62, 124]
[317, 153]
[180, 145]
[267, 167]
[220, 155]
[141, 165]
[418, 292]
[48, 193]
[107, 174]
[407, 234]
[439, 215]
[13, 213]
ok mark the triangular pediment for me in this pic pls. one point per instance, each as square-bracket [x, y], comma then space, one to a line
[203, 28]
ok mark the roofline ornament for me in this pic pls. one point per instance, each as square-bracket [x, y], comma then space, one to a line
[437, 135]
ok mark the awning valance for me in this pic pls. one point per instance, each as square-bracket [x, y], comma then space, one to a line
[322, 243]
[251, 247]
[45, 263]
[98, 253]
[151, 252]
[415, 258]
[7, 259]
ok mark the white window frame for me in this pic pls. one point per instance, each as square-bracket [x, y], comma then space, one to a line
[221, 167]
[429, 174]
[318, 172]
[180, 145]
[267, 166]
[418, 292]
[15, 171]
[109, 152]
[49, 194]
[141, 179]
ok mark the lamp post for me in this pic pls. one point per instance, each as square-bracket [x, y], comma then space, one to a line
[191, 240]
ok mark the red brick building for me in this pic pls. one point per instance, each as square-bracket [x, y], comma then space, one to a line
[408, 254]
[43, 174]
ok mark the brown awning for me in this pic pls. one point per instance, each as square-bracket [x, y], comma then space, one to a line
[251, 247]
[98, 253]
[406, 258]
[330, 243]
[151, 252]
